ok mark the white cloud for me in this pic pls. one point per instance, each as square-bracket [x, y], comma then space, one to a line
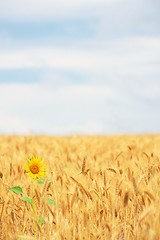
[75, 108]
[28, 9]
[41, 93]
[86, 128]
[149, 91]
[38, 57]
[136, 55]
[43, 109]
[12, 125]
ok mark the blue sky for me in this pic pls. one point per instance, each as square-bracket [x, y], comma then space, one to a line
[85, 67]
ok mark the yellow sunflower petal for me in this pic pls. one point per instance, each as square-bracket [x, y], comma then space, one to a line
[35, 167]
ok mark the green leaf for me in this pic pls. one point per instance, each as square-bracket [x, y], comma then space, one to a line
[40, 181]
[16, 189]
[26, 199]
[50, 201]
[49, 180]
[41, 221]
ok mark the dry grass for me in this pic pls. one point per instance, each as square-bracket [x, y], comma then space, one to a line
[104, 187]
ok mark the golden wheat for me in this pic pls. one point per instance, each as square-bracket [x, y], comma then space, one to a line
[105, 188]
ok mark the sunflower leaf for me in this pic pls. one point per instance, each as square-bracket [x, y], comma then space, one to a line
[40, 181]
[49, 180]
[26, 199]
[41, 221]
[16, 189]
[50, 201]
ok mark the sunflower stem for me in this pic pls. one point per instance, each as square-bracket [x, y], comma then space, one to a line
[33, 206]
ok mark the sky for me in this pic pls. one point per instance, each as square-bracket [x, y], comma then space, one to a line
[79, 67]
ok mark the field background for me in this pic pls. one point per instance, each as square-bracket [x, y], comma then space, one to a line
[104, 187]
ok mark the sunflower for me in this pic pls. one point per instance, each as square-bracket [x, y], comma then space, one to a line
[35, 167]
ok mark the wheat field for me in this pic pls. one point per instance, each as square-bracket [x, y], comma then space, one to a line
[104, 187]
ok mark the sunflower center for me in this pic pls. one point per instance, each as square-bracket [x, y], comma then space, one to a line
[34, 169]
